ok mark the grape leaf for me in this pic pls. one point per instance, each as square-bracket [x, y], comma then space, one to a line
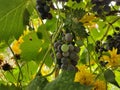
[65, 82]
[37, 83]
[11, 18]
[7, 87]
[43, 34]
[30, 47]
[110, 77]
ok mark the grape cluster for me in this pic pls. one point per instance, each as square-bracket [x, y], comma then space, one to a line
[101, 6]
[113, 41]
[44, 9]
[66, 52]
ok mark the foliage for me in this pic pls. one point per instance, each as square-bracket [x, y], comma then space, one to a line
[59, 44]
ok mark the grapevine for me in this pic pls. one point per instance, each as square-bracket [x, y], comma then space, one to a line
[60, 45]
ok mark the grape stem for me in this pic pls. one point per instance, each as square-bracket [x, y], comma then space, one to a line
[50, 47]
[20, 71]
[108, 28]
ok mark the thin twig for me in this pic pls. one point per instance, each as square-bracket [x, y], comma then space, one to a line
[20, 71]
[108, 28]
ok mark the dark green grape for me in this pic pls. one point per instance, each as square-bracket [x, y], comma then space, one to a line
[59, 48]
[76, 58]
[64, 60]
[76, 49]
[73, 55]
[64, 66]
[71, 47]
[65, 54]
[58, 55]
[56, 44]
[68, 37]
[71, 68]
[74, 63]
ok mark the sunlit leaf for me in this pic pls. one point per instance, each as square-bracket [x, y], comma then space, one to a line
[11, 18]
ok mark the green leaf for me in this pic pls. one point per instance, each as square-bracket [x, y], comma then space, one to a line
[28, 70]
[30, 47]
[79, 30]
[65, 81]
[42, 33]
[38, 83]
[7, 87]
[51, 25]
[11, 18]
[110, 77]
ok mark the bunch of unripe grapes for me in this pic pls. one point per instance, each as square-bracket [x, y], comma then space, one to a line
[44, 9]
[66, 52]
[101, 6]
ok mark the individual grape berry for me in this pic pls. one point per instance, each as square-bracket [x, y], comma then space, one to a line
[64, 47]
[56, 44]
[76, 49]
[71, 68]
[73, 55]
[58, 55]
[64, 66]
[71, 47]
[68, 37]
[76, 58]
[64, 60]
[59, 48]
[74, 63]
[65, 54]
